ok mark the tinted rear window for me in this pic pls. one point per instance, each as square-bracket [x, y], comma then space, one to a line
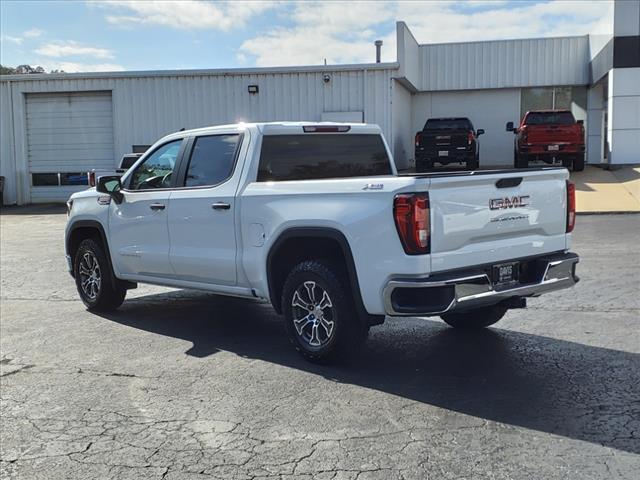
[212, 160]
[451, 124]
[316, 156]
[555, 118]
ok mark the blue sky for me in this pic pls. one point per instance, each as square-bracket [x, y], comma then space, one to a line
[147, 35]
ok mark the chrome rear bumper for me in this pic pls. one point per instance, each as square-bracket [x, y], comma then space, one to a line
[473, 288]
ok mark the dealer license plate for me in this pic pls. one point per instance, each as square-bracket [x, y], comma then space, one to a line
[443, 153]
[553, 148]
[505, 273]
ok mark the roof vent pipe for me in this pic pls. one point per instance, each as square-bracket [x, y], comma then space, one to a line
[378, 44]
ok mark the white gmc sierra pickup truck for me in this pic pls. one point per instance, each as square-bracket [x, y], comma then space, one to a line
[315, 219]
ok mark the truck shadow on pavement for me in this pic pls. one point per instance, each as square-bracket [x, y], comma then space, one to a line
[564, 388]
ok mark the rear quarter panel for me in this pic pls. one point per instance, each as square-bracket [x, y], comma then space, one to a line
[364, 217]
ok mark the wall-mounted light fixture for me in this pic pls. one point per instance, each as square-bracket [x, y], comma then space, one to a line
[253, 89]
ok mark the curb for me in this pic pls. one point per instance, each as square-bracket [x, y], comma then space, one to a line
[608, 213]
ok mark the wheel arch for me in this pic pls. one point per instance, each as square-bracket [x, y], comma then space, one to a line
[280, 259]
[81, 230]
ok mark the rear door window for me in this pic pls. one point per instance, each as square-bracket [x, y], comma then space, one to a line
[320, 156]
[212, 160]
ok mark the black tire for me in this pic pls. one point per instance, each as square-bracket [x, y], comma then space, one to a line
[474, 319]
[100, 294]
[346, 332]
[521, 161]
[578, 162]
[424, 166]
[472, 164]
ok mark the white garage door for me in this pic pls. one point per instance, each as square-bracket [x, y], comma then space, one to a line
[68, 134]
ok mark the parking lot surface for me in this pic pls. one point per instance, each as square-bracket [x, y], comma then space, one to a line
[186, 385]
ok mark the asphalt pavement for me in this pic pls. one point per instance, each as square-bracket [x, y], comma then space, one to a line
[187, 385]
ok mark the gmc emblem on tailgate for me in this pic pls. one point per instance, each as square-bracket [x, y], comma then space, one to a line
[508, 202]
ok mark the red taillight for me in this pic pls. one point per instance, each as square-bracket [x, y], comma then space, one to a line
[571, 206]
[417, 139]
[470, 137]
[411, 213]
[92, 179]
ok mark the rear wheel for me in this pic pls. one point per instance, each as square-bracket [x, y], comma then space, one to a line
[94, 278]
[424, 166]
[578, 163]
[319, 313]
[473, 319]
[521, 161]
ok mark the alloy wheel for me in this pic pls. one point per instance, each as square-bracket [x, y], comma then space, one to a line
[313, 314]
[90, 275]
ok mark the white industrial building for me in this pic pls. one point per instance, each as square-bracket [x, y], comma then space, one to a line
[55, 127]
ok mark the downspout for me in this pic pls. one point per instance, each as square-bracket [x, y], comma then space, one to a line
[365, 97]
[18, 185]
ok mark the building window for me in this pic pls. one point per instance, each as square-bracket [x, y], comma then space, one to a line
[553, 98]
[45, 180]
[59, 179]
[139, 148]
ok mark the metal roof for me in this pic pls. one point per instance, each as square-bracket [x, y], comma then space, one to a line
[201, 72]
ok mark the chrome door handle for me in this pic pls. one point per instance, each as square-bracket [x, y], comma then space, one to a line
[220, 206]
[157, 206]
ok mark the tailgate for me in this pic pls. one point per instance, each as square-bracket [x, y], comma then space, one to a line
[474, 222]
[553, 134]
[443, 140]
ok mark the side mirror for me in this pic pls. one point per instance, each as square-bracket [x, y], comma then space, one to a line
[479, 132]
[110, 184]
[510, 127]
[580, 122]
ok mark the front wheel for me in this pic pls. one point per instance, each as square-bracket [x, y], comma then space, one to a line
[474, 319]
[94, 279]
[319, 313]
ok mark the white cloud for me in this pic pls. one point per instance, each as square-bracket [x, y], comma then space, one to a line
[343, 32]
[446, 24]
[185, 14]
[336, 31]
[32, 33]
[74, 67]
[10, 39]
[70, 49]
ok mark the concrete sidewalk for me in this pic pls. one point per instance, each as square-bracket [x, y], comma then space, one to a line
[607, 191]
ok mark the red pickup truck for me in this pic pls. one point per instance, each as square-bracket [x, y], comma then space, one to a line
[549, 136]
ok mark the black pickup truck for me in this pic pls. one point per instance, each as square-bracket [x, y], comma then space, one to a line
[445, 141]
